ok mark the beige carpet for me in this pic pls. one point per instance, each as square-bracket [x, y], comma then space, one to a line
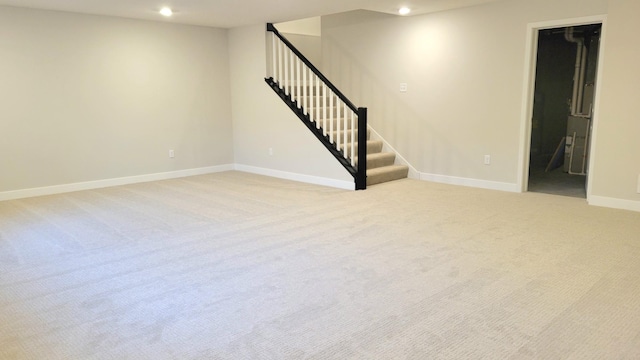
[240, 266]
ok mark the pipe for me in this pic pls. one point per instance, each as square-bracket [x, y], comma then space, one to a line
[573, 146]
[568, 35]
[583, 71]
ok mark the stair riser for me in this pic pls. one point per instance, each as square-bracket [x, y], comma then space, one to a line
[375, 162]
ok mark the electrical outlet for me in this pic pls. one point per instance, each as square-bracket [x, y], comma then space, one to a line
[487, 159]
[270, 151]
[172, 154]
[403, 87]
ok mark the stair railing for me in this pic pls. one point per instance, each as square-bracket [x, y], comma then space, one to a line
[321, 106]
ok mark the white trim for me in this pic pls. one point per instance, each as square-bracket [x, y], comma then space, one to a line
[584, 20]
[413, 173]
[89, 185]
[476, 183]
[596, 106]
[614, 203]
[528, 87]
[316, 180]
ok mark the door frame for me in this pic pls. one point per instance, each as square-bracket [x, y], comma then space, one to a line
[529, 83]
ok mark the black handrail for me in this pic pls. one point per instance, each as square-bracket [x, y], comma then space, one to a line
[315, 70]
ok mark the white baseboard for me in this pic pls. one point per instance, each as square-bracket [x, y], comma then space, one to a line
[483, 184]
[340, 184]
[614, 203]
[88, 185]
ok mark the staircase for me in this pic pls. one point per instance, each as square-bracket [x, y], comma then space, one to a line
[329, 115]
[381, 165]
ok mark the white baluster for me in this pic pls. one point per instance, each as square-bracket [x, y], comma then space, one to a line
[331, 115]
[279, 46]
[293, 73]
[324, 110]
[298, 94]
[338, 125]
[318, 100]
[305, 109]
[274, 62]
[286, 72]
[311, 109]
[345, 126]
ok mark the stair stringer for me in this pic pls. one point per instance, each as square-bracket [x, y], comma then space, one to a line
[400, 160]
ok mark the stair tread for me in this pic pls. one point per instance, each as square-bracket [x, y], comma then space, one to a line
[386, 174]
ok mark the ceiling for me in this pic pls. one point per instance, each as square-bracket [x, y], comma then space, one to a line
[234, 13]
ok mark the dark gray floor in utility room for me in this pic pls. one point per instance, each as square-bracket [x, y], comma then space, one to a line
[557, 182]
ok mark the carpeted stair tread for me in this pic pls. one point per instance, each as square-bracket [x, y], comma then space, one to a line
[386, 173]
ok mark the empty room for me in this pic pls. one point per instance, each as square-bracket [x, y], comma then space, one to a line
[318, 180]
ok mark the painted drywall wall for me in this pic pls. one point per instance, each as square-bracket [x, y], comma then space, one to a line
[616, 163]
[305, 35]
[87, 98]
[261, 121]
[309, 45]
[310, 26]
[464, 71]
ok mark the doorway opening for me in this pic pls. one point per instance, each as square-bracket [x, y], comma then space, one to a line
[561, 126]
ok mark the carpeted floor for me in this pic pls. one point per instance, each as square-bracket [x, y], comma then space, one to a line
[240, 266]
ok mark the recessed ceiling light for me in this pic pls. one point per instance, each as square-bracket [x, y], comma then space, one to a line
[165, 11]
[404, 11]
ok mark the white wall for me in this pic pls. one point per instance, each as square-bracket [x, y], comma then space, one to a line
[309, 46]
[88, 98]
[310, 26]
[464, 69]
[616, 164]
[261, 121]
[306, 36]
